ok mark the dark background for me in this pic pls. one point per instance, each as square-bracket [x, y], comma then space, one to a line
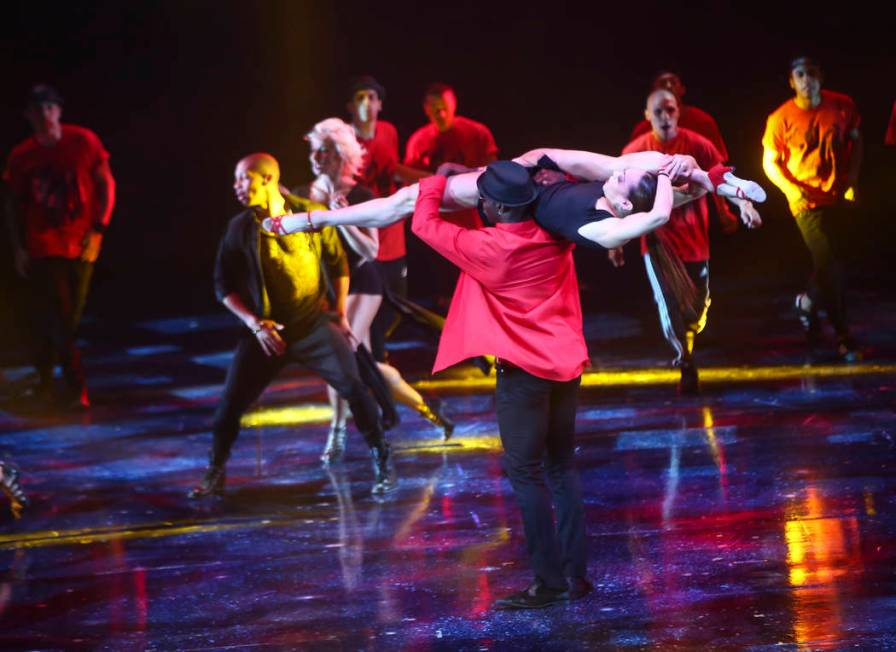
[178, 91]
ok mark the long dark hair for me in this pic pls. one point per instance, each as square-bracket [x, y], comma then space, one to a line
[643, 195]
[668, 264]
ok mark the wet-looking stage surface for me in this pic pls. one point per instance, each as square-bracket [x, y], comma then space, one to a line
[758, 515]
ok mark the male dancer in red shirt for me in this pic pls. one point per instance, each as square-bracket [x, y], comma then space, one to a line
[685, 236]
[517, 298]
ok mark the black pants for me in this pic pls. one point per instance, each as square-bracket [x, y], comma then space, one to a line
[325, 351]
[394, 274]
[822, 231]
[680, 324]
[536, 421]
[58, 292]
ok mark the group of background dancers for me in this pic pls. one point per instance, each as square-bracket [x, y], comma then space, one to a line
[318, 274]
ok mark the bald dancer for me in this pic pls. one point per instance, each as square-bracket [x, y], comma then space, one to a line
[276, 288]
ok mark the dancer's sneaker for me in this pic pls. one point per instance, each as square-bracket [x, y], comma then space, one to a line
[808, 316]
[847, 350]
[728, 185]
[9, 484]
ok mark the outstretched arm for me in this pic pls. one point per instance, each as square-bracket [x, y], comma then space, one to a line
[461, 192]
[375, 213]
[592, 166]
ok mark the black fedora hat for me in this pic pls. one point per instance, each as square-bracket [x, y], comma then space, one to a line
[507, 183]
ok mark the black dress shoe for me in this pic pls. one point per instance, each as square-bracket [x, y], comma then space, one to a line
[579, 587]
[535, 596]
[211, 485]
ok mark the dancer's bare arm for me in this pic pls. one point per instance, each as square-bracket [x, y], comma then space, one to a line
[614, 232]
[592, 166]
[461, 192]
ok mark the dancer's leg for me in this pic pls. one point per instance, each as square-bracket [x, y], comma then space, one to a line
[360, 310]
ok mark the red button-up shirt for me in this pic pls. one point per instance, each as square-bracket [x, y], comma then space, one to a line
[517, 297]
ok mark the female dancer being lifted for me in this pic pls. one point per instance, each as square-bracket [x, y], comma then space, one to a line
[618, 198]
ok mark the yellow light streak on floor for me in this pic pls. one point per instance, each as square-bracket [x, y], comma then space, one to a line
[320, 413]
[632, 377]
[46, 538]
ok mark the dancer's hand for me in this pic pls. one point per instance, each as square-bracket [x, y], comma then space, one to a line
[266, 332]
[616, 256]
[342, 324]
[298, 223]
[91, 247]
[749, 215]
[799, 202]
[679, 167]
[545, 177]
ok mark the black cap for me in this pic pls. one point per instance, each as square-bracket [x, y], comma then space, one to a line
[507, 183]
[366, 81]
[803, 60]
[41, 93]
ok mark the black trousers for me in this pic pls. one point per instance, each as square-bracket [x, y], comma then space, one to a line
[58, 292]
[536, 421]
[394, 274]
[325, 351]
[823, 232]
[680, 324]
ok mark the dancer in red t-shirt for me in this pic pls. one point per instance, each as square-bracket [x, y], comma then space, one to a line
[685, 237]
[380, 172]
[62, 198]
[448, 138]
[689, 117]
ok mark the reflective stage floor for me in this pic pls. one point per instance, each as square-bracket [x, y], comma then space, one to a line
[760, 515]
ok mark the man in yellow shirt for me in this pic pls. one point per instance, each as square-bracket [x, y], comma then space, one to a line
[812, 152]
[277, 287]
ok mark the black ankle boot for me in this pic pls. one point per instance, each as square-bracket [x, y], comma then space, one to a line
[434, 410]
[212, 484]
[13, 490]
[384, 479]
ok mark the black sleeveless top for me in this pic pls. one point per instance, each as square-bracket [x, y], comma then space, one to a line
[563, 208]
